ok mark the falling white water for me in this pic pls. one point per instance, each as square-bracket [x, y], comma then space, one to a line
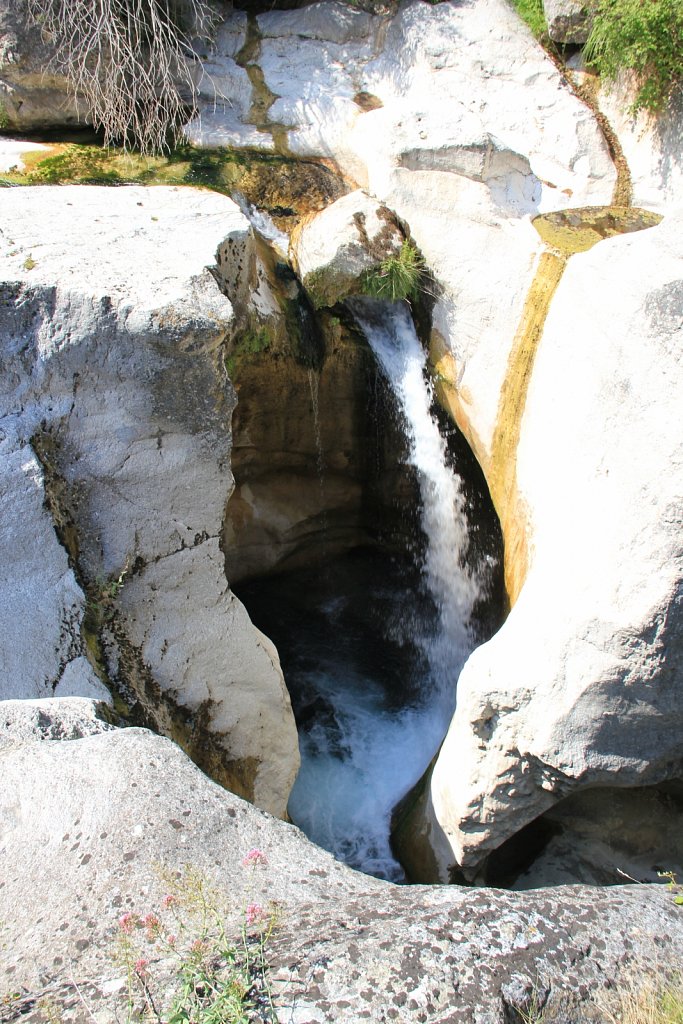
[360, 753]
[390, 332]
[263, 223]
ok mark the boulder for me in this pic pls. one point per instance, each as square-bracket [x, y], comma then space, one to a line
[61, 718]
[334, 250]
[116, 441]
[581, 686]
[100, 827]
[568, 21]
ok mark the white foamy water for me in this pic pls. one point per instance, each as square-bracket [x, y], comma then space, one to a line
[361, 755]
[391, 334]
[263, 223]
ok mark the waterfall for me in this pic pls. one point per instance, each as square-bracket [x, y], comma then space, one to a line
[390, 332]
[369, 725]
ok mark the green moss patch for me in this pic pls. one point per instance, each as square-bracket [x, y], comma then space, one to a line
[287, 188]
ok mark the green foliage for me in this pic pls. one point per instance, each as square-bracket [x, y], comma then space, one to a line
[216, 977]
[4, 117]
[531, 11]
[251, 342]
[643, 36]
[397, 277]
[29, 263]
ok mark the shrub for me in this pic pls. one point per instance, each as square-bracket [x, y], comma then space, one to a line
[396, 277]
[644, 36]
[129, 60]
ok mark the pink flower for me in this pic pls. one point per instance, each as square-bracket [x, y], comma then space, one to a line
[152, 923]
[171, 939]
[254, 857]
[127, 922]
[141, 966]
[254, 913]
[168, 901]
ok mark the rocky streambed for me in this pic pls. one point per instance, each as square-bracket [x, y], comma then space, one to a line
[185, 407]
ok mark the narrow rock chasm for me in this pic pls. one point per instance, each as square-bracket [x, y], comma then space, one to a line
[328, 544]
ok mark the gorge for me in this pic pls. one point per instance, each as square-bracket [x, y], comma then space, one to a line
[210, 445]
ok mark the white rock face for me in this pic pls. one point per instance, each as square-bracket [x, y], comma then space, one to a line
[652, 146]
[61, 718]
[88, 826]
[116, 424]
[472, 131]
[581, 686]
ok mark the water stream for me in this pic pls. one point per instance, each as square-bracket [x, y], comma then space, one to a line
[372, 643]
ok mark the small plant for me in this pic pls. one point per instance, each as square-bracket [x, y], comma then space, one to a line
[673, 886]
[642, 36]
[531, 11]
[103, 594]
[29, 263]
[216, 978]
[397, 277]
[646, 1001]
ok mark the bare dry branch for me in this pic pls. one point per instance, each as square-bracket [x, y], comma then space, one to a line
[130, 60]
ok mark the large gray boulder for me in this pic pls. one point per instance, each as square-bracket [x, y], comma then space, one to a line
[94, 828]
[115, 417]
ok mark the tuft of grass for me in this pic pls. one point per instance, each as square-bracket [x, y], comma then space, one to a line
[531, 11]
[397, 277]
[29, 263]
[642, 36]
[649, 1001]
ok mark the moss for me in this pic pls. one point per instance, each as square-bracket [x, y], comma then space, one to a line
[571, 231]
[250, 342]
[287, 188]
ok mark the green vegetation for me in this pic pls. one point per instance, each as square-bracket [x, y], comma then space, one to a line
[643, 36]
[531, 11]
[250, 342]
[397, 277]
[29, 263]
[216, 977]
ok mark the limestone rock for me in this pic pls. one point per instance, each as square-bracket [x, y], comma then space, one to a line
[116, 440]
[454, 118]
[652, 146]
[590, 694]
[66, 718]
[347, 947]
[568, 21]
[350, 237]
